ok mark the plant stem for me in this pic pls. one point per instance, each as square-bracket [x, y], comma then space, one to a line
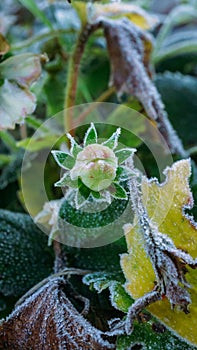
[73, 72]
[60, 257]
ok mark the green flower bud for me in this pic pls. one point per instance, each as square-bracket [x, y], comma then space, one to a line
[96, 166]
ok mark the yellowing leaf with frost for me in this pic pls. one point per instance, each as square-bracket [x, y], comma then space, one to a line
[165, 204]
[134, 13]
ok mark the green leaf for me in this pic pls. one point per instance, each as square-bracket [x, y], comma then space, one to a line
[177, 35]
[5, 159]
[83, 189]
[34, 9]
[120, 191]
[114, 281]
[66, 181]
[8, 140]
[91, 220]
[75, 148]
[179, 94]
[105, 258]
[160, 339]
[11, 172]
[124, 153]
[123, 173]
[119, 297]
[112, 142]
[25, 258]
[102, 280]
[64, 160]
[90, 136]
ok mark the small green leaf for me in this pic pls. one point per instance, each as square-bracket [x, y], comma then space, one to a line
[64, 160]
[123, 173]
[75, 148]
[124, 153]
[112, 142]
[90, 136]
[83, 189]
[120, 192]
[66, 181]
[102, 280]
[119, 297]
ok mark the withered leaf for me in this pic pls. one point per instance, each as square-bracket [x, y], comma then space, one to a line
[4, 46]
[48, 320]
[129, 50]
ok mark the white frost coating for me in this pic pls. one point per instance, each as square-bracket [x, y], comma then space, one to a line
[167, 260]
[131, 71]
[49, 310]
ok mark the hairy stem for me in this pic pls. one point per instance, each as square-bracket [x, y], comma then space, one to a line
[73, 72]
[60, 257]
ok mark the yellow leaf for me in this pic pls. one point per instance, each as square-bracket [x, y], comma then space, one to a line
[81, 9]
[134, 13]
[165, 203]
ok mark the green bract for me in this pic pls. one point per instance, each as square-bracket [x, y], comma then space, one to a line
[94, 171]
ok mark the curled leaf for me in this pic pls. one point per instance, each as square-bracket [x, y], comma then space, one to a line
[132, 12]
[48, 320]
[16, 101]
[129, 50]
[174, 263]
[24, 69]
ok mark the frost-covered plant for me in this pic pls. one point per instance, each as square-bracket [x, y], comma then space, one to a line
[94, 171]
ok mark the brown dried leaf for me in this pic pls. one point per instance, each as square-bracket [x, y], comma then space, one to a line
[129, 50]
[4, 46]
[48, 320]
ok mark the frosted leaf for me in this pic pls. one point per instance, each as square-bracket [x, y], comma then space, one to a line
[112, 142]
[66, 181]
[16, 103]
[48, 320]
[100, 281]
[159, 263]
[123, 173]
[129, 50]
[75, 148]
[23, 69]
[90, 136]
[48, 217]
[64, 160]
[127, 10]
[119, 192]
[124, 153]
[25, 258]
